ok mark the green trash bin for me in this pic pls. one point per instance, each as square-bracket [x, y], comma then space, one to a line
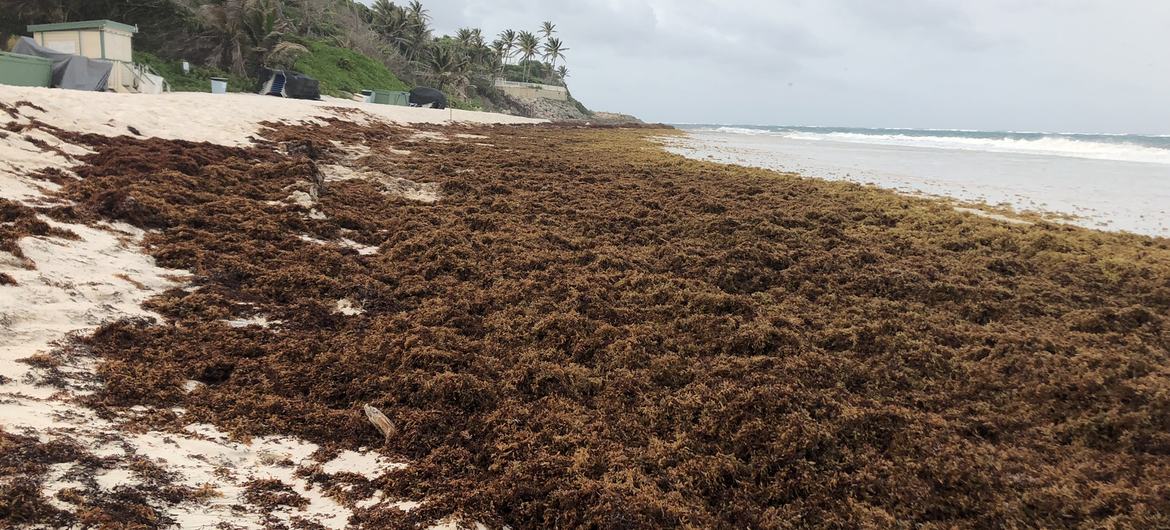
[389, 97]
[25, 70]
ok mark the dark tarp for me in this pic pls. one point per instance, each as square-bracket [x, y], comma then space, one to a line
[301, 86]
[296, 85]
[70, 71]
[423, 96]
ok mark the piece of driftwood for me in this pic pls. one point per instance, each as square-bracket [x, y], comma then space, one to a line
[380, 421]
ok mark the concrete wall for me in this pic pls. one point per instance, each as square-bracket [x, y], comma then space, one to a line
[532, 92]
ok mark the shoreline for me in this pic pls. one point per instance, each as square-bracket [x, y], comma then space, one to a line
[559, 322]
[1123, 196]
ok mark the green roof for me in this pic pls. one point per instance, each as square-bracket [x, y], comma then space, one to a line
[87, 24]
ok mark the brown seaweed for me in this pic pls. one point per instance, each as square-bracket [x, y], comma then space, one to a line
[585, 332]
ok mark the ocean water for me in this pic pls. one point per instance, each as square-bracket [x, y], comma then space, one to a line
[1101, 181]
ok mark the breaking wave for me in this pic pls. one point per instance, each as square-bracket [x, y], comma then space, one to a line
[1126, 148]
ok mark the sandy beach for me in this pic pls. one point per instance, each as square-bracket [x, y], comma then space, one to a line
[63, 287]
[564, 326]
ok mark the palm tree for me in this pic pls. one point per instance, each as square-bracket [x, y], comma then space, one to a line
[404, 28]
[494, 64]
[392, 24]
[238, 28]
[499, 47]
[529, 46]
[563, 72]
[420, 35]
[415, 10]
[446, 64]
[554, 49]
[547, 29]
[465, 36]
[499, 50]
[384, 9]
[508, 38]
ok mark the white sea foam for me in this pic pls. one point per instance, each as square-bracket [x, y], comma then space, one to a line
[1049, 145]
[743, 130]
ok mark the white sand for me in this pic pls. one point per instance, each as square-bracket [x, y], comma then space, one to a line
[74, 286]
[227, 119]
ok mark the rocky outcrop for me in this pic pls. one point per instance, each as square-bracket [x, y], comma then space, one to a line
[553, 110]
[550, 109]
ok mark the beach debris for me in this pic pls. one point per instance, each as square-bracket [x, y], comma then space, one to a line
[309, 151]
[380, 421]
[347, 307]
[305, 148]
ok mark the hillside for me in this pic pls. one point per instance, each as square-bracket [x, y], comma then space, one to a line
[345, 72]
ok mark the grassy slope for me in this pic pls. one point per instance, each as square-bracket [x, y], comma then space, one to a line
[343, 71]
[199, 80]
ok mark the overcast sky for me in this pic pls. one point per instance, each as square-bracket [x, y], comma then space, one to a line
[1049, 65]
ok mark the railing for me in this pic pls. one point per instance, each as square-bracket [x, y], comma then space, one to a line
[146, 68]
[138, 77]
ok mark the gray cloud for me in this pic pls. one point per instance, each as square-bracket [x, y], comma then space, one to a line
[1069, 65]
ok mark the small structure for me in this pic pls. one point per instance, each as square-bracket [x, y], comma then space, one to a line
[96, 39]
[103, 40]
[390, 97]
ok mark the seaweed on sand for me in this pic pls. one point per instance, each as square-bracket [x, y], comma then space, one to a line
[24, 467]
[18, 221]
[23, 464]
[585, 331]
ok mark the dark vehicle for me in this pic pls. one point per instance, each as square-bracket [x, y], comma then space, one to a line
[422, 96]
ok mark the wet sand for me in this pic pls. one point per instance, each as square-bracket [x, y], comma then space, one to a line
[1101, 194]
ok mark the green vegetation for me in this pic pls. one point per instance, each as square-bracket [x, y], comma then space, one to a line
[475, 103]
[532, 72]
[343, 71]
[345, 44]
[199, 80]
